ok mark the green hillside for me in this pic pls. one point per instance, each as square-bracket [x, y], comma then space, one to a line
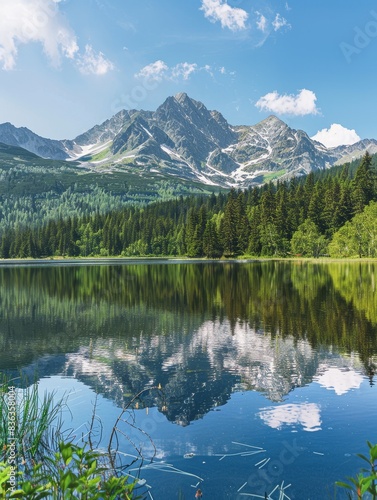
[33, 189]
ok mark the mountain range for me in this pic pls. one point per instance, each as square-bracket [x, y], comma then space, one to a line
[184, 140]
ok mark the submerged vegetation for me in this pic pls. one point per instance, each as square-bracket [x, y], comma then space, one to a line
[327, 213]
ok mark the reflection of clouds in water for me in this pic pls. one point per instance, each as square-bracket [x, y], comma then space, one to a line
[306, 414]
[339, 380]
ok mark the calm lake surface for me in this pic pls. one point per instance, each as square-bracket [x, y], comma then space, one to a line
[277, 358]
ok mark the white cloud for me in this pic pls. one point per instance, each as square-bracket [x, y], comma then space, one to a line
[267, 24]
[184, 70]
[159, 71]
[155, 71]
[304, 103]
[27, 21]
[262, 22]
[306, 414]
[92, 63]
[209, 70]
[279, 22]
[336, 135]
[233, 18]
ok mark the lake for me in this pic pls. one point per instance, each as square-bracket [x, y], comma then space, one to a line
[267, 369]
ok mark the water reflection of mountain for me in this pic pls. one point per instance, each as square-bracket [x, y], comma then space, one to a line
[202, 372]
[201, 331]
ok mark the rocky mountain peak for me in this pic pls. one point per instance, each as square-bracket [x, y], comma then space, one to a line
[188, 103]
[181, 97]
[274, 120]
[271, 124]
[185, 139]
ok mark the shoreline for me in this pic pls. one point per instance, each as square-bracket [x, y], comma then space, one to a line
[93, 261]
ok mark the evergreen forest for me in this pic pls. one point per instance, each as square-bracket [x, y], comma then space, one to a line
[332, 212]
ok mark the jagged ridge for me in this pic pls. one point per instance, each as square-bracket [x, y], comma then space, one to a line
[183, 138]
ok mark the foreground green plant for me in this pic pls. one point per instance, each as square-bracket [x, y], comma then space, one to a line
[33, 425]
[78, 473]
[37, 460]
[365, 481]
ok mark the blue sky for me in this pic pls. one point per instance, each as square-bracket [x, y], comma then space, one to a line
[66, 65]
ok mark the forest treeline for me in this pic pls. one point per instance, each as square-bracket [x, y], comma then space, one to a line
[331, 213]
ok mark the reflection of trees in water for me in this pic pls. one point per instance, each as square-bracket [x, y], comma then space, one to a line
[329, 304]
[204, 328]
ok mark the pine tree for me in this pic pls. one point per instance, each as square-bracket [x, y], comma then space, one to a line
[281, 216]
[243, 227]
[315, 208]
[211, 243]
[363, 184]
[229, 225]
[330, 208]
[343, 209]
[254, 247]
[267, 205]
[193, 242]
